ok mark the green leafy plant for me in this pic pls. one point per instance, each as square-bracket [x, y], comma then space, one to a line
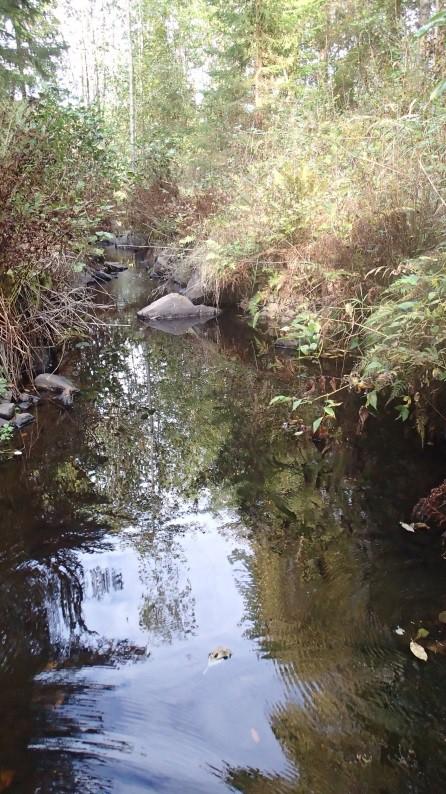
[6, 433]
[306, 329]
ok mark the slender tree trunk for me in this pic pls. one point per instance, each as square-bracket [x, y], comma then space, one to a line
[440, 43]
[258, 64]
[86, 80]
[19, 49]
[131, 79]
[425, 10]
[97, 90]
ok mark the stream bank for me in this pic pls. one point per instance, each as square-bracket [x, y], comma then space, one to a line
[167, 515]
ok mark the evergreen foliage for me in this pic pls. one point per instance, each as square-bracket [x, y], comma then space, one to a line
[29, 45]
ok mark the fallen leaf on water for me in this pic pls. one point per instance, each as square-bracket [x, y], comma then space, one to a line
[422, 634]
[255, 736]
[418, 651]
[421, 525]
[442, 617]
[6, 778]
[220, 653]
[437, 647]
[407, 527]
[399, 631]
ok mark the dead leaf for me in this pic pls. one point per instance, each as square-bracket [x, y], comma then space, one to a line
[255, 736]
[422, 634]
[418, 651]
[437, 647]
[407, 527]
[6, 778]
[363, 415]
[442, 617]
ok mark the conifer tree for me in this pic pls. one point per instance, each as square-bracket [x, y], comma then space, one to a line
[29, 46]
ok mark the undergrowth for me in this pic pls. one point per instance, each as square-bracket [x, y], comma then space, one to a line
[56, 190]
[334, 232]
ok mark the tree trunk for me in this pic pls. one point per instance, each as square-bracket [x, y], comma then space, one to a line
[131, 79]
[440, 43]
[258, 65]
[19, 49]
[425, 11]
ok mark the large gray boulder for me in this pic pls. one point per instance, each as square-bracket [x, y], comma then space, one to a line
[173, 306]
[7, 410]
[194, 288]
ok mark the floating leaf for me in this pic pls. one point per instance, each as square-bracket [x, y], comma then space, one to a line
[399, 631]
[437, 647]
[6, 778]
[407, 527]
[442, 617]
[418, 651]
[422, 634]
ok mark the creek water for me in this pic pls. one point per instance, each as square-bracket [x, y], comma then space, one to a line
[168, 513]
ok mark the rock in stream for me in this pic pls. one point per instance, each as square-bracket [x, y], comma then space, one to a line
[57, 383]
[174, 306]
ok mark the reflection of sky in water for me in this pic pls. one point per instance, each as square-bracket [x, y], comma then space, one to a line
[169, 718]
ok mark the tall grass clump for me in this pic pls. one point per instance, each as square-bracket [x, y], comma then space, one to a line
[56, 189]
[339, 214]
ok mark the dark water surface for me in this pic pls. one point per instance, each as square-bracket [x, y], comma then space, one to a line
[168, 514]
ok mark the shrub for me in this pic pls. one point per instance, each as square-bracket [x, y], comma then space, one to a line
[58, 176]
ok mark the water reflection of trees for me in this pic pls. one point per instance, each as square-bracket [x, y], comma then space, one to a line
[162, 419]
[357, 713]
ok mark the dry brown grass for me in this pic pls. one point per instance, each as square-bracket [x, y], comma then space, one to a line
[55, 188]
[40, 315]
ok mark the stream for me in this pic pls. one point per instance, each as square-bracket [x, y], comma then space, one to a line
[168, 514]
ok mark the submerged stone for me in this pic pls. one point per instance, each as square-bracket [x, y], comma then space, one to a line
[7, 410]
[21, 420]
[49, 382]
[57, 383]
[115, 267]
[287, 344]
[27, 397]
[101, 275]
[174, 306]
